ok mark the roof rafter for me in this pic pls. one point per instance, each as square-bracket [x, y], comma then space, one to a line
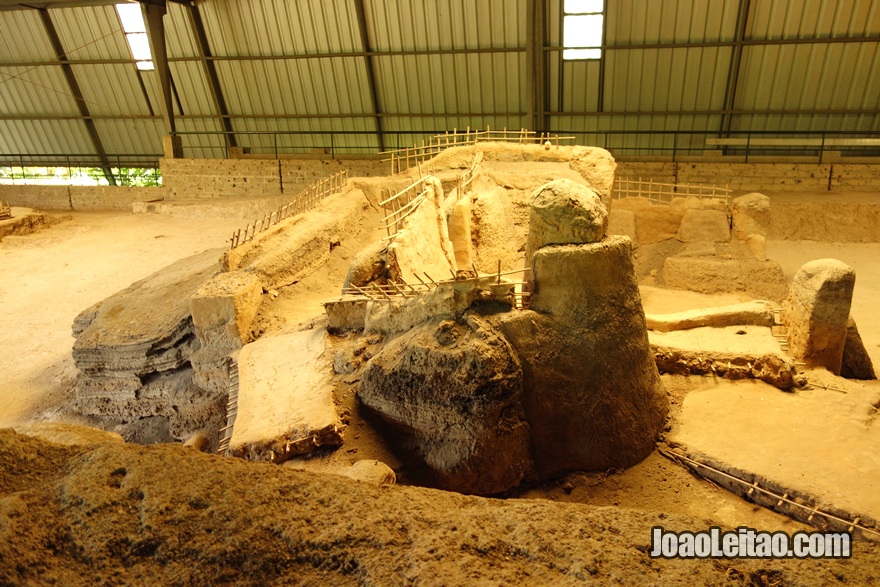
[76, 91]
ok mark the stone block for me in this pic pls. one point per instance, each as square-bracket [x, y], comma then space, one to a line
[597, 166]
[285, 398]
[856, 363]
[817, 311]
[224, 308]
[346, 313]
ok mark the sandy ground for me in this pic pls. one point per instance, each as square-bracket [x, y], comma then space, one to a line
[51, 276]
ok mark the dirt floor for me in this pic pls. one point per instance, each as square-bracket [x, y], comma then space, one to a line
[307, 529]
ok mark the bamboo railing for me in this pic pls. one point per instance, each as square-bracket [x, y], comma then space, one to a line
[302, 202]
[403, 159]
[664, 193]
[399, 290]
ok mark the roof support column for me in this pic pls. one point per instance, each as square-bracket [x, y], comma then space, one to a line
[742, 21]
[536, 80]
[198, 29]
[368, 66]
[153, 17]
[52, 33]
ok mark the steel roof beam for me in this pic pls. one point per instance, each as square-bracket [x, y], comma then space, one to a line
[154, 15]
[19, 5]
[368, 67]
[198, 29]
[742, 24]
[484, 50]
[77, 94]
[782, 111]
[536, 79]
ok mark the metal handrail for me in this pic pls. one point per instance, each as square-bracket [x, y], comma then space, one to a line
[339, 144]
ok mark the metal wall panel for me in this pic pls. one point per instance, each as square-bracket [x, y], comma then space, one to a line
[350, 136]
[202, 146]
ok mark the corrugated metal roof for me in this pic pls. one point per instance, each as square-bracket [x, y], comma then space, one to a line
[192, 87]
[131, 137]
[279, 27]
[92, 32]
[24, 38]
[44, 136]
[267, 84]
[111, 89]
[314, 86]
[810, 77]
[666, 79]
[35, 91]
[630, 22]
[787, 19]
[459, 83]
[446, 24]
[179, 38]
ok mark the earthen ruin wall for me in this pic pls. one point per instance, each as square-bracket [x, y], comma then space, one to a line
[834, 177]
[81, 198]
[193, 179]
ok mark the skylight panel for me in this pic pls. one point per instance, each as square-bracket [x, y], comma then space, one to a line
[132, 19]
[582, 27]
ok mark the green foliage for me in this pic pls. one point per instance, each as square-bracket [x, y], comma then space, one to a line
[128, 176]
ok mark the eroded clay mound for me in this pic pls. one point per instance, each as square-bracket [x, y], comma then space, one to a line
[457, 387]
[120, 514]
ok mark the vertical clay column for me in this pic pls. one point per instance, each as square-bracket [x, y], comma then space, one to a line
[591, 391]
[817, 310]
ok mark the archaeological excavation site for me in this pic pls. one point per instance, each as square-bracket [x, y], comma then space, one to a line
[296, 297]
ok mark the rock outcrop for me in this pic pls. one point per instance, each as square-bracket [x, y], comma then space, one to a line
[564, 212]
[134, 348]
[456, 387]
[222, 312]
[817, 311]
[855, 363]
[597, 167]
[751, 222]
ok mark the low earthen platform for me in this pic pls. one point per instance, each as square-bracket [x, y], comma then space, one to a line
[818, 446]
